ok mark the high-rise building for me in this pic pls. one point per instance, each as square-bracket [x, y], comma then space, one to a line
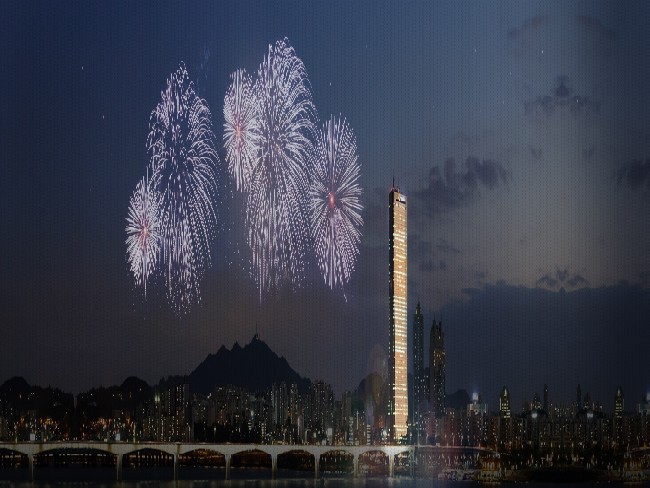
[398, 408]
[618, 417]
[505, 421]
[504, 403]
[437, 361]
[537, 402]
[546, 398]
[418, 362]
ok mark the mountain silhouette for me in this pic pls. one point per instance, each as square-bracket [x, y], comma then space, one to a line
[254, 367]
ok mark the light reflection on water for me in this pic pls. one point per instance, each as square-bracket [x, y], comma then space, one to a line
[252, 483]
[331, 482]
[243, 478]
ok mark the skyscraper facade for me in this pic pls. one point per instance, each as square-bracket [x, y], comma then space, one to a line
[418, 363]
[505, 421]
[437, 362]
[504, 403]
[398, 408]
[619, 405]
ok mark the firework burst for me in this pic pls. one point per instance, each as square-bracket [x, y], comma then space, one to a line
[143, 232]
[335, 207]
[183, 160]
[241, 129]
[276, 202]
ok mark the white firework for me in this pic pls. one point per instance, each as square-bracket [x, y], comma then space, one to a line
[279, 183]
[335, 206]
[241, 129]
[143, 232]
[183, 161]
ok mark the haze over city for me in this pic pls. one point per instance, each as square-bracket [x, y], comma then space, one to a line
[518, 132]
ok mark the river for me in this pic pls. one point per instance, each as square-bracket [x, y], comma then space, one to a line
[325, 482]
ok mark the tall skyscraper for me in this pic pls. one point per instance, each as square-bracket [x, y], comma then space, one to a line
[418, 362]
[504, 403]
[505, 421]
[437, 361]
[398, 408]
[619, 404]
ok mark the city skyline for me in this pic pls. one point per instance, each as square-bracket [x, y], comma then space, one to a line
[518, 132]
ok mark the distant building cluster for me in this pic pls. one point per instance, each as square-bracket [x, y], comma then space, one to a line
[170, 413]
[540, 431]
[550, 432]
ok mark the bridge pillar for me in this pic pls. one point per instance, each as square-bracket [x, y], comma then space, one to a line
[391, 464]
[316, 465]
[274, 465]
[175, 466]
[118, 467]
[30, 458]
[355, 470]
[227, 466]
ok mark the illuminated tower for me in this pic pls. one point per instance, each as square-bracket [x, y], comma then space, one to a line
[618, 418]
[505, 422]
[437, 361]
[504, 403]
[418, 362]
[398, 408]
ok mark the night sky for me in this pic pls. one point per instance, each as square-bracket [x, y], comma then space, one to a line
[519, 132]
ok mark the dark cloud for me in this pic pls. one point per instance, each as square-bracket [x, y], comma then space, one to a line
[546, 281]
[577, 280]
[635, 174]
[444, 246]
[449, 189]
[419, 249]
[536, 152]
[589, 153]
[522, 37]
[595, 27]
[562, 97]
[423, 251]
[561, 278]
[429, 266]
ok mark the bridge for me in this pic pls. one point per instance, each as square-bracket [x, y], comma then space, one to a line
[175, 450]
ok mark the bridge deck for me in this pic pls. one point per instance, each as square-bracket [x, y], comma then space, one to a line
[120, 449]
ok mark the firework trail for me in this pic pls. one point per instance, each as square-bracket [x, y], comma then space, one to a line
[240, 136]
[335, 207]
[183, 159]
[276, 210]
[143, 232]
